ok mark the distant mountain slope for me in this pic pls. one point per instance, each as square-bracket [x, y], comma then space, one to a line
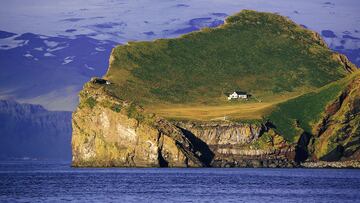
[261, 53]
[47, 70]
[31, 131]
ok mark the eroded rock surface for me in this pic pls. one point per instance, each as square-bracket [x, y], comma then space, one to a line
[113, 133]
[232, 144]
[110, 132]
[337, 135]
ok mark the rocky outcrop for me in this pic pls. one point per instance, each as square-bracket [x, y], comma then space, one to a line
[114, 133]
[110, 132]
[232, 144]
[224, 133]
[347, 65]
[337, 135]
[333, 164]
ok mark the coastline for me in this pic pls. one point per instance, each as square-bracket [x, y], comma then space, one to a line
[332, 164]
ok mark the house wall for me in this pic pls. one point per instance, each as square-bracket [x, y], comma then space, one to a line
[236, 96]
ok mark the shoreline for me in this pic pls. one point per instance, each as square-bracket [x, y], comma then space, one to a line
[333, 164]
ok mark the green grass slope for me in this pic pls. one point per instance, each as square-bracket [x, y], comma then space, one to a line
[261, 53]
[295, 116]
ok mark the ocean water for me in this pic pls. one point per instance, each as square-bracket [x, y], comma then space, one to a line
[37, 181]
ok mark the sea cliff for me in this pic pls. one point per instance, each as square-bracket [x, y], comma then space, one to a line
[110, 132]
[305, 106]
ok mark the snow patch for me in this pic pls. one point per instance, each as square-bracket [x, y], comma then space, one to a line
[43, 37]
[99, 49]
[68, 59]
[39, 49]
[11, 43]
[51, 43]
[88, 67]
[48, 54]
[27, 55]
[56, 49]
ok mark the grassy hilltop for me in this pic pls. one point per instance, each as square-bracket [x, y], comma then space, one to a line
[264, 54]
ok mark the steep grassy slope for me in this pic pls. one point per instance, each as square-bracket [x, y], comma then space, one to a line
[261, 53]
[301, 114]
[337, 134]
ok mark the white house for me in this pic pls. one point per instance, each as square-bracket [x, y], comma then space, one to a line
[238, 95]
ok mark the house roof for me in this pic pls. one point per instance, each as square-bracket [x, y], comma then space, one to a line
[237, 92]
[240, 92]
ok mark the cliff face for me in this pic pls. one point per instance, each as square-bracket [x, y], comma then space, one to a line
[29, 130]
[232, 144]
[113, 133]
[110, 132]
[337, 135]
[347, 65]
[224, 133]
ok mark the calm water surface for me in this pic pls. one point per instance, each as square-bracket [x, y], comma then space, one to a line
[36, 181]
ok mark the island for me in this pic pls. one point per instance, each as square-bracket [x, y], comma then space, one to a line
[165, 103]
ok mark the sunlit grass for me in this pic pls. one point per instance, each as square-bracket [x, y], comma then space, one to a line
[263, 54]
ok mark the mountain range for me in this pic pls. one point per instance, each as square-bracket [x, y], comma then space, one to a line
[30, 131]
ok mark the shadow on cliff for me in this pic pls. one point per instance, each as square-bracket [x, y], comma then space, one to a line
[334, 155]
[162, 162]
[301, 150]
[206, 154]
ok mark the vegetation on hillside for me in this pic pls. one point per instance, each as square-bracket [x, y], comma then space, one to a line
[261, 53]
[298, 115]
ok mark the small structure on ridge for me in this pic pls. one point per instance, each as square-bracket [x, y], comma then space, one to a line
[238, 95]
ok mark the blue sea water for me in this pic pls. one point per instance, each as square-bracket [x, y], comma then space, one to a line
[37, 181]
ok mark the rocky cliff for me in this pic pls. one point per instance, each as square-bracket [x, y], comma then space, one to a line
[111, 132]
[114, 133]
[337, 134]
[237, 144]
[108, 131]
